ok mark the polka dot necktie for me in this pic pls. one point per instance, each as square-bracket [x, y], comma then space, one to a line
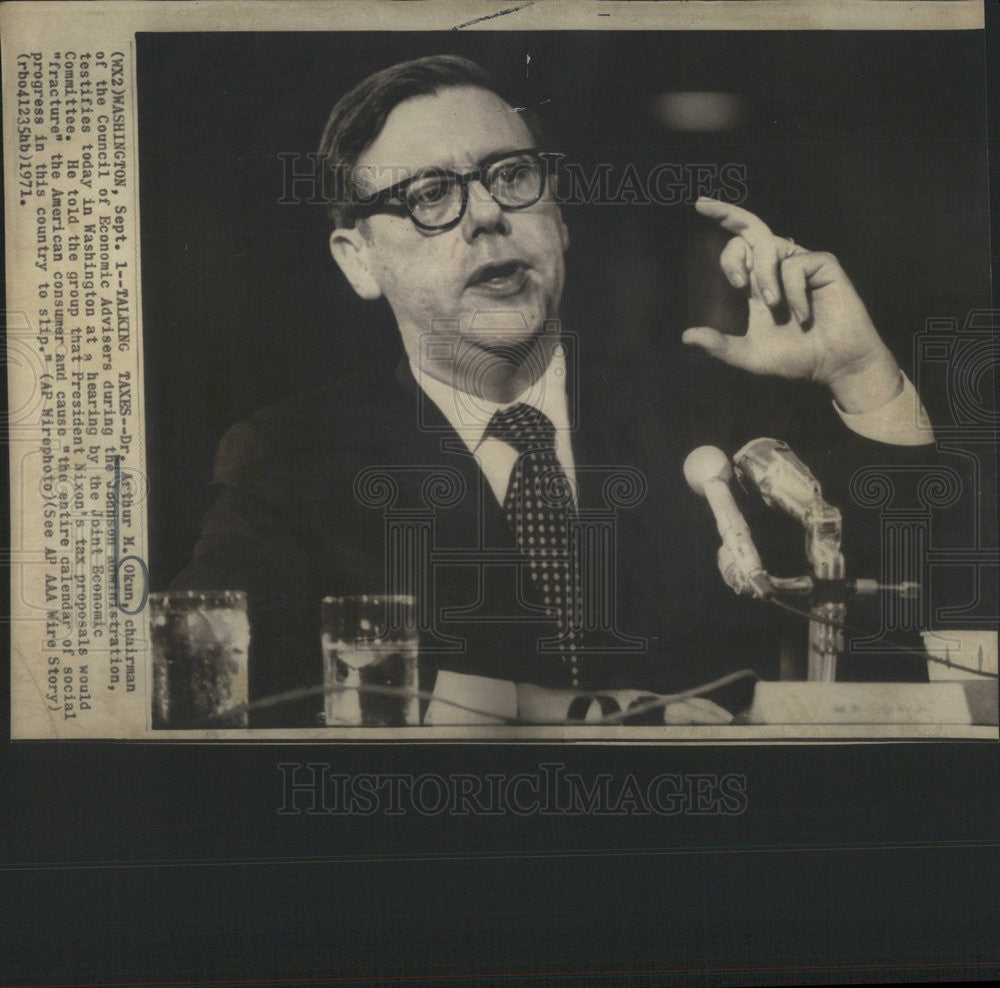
[539, 506]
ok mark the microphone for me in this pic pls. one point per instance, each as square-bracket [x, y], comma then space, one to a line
[708, 472]
[782, 479]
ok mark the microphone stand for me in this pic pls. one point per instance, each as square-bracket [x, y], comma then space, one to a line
[828, 601]
[785, 482]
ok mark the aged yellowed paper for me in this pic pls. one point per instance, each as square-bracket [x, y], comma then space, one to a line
[83, 239]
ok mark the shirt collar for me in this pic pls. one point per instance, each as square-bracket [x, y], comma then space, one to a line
[469, 416]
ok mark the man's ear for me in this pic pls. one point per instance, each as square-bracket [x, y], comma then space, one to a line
[350, 250]
[563, 233]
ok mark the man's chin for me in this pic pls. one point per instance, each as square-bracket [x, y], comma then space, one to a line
[500, 369]
[514, 351]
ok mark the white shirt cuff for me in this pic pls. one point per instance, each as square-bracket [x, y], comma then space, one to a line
[900, 422]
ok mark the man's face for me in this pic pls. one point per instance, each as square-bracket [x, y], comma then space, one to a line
[475, 304]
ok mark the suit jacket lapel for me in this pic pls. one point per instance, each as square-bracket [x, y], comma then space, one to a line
[440, 444]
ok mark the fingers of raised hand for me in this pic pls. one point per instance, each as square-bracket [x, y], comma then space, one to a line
[767, 256]
[803, 272]
[796, 285]
[736, 262]
[755, 254]
[733, 218]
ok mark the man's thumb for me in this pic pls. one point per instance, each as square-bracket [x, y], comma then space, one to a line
[714, 343]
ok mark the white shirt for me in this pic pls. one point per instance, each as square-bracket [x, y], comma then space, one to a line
[900, 422]
[469, 416]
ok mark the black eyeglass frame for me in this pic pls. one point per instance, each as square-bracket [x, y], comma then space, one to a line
[381, 201]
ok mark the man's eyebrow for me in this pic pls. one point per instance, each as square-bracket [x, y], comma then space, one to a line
[399, 173]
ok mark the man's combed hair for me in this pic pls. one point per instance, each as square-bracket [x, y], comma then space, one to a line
[358, 117]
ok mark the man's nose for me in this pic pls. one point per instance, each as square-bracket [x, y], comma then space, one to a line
[483, 214]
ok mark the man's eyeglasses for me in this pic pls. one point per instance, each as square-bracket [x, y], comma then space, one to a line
[436, 198]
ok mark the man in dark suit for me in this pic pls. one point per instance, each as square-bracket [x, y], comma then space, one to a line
[516, 478]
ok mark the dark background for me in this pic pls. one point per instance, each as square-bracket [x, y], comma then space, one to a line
[164, 863]
[867, 145]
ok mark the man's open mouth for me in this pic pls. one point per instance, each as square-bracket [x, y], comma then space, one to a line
[501, 278]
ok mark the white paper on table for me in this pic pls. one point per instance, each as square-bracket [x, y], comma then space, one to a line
[491, 701]
[975, 651]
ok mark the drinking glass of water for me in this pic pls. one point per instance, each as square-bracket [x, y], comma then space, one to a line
[200, 644]
[370, 661]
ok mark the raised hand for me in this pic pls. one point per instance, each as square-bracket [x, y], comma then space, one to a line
[806, 320]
